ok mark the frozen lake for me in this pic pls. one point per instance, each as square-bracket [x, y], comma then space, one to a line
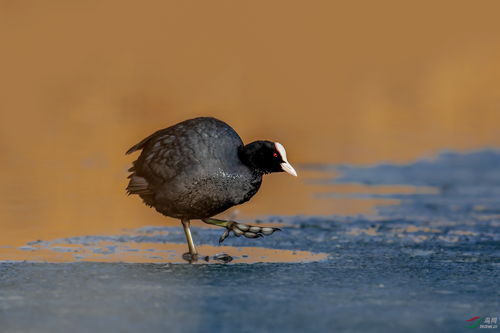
[427, 263]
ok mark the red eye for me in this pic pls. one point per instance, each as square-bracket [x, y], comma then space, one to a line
[275, 155]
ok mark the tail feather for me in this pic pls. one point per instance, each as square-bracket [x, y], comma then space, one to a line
[139, 185]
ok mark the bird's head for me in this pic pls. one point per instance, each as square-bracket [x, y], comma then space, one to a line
[266, 157]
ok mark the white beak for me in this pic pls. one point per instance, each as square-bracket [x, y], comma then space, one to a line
[288, 168]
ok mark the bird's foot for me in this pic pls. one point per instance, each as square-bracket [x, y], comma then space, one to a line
[190, 257]
[240, 229]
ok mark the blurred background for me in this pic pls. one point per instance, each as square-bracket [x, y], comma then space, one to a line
[336, 82]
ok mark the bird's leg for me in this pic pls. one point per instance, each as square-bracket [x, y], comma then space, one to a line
[239, 229]
[192, 249]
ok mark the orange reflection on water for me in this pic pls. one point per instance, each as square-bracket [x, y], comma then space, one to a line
[152, 253]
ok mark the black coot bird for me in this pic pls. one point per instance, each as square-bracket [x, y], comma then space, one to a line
[199, 168]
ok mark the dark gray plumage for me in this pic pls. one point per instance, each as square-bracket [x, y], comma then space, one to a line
[192, 170]
[199, 168]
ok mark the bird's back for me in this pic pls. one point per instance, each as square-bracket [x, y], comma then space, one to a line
[192, 169]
